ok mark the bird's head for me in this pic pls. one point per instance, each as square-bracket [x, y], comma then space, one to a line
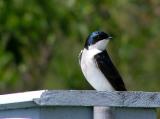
[97, 40]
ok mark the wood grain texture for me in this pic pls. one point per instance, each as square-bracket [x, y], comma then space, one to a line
[100, 98]
[80, 98]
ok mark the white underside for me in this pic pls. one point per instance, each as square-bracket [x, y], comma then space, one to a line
[92, 73]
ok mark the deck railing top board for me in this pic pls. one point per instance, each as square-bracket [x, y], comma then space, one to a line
[80, 98]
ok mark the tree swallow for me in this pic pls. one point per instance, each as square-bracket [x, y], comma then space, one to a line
[97, 66]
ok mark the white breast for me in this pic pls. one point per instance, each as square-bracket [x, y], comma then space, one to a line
[92, 73]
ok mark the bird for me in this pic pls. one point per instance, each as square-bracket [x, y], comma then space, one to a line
[97, 66]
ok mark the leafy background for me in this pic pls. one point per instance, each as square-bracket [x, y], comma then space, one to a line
[40, 41]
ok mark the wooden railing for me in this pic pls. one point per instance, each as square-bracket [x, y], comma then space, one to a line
[78, 104]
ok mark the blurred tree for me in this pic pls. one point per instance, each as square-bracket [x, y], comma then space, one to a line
[40, 41]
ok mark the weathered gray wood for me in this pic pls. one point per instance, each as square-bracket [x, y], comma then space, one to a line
[100, 98]
[78, 104]
[79, 98]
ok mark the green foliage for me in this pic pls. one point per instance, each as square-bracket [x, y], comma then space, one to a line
[40, 41]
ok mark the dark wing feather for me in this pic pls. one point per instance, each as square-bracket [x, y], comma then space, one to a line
[108, 69]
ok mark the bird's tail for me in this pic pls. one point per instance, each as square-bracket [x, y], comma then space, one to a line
[103, 113]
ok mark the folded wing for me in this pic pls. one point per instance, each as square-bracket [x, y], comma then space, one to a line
[106, 66]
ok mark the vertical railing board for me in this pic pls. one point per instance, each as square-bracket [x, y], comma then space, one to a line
[124, 113]
[134, 113]
[49, 113]
[76, 113]
[26, 113]
[66, 113]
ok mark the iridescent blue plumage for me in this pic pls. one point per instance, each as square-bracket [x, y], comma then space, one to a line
[96, 36]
